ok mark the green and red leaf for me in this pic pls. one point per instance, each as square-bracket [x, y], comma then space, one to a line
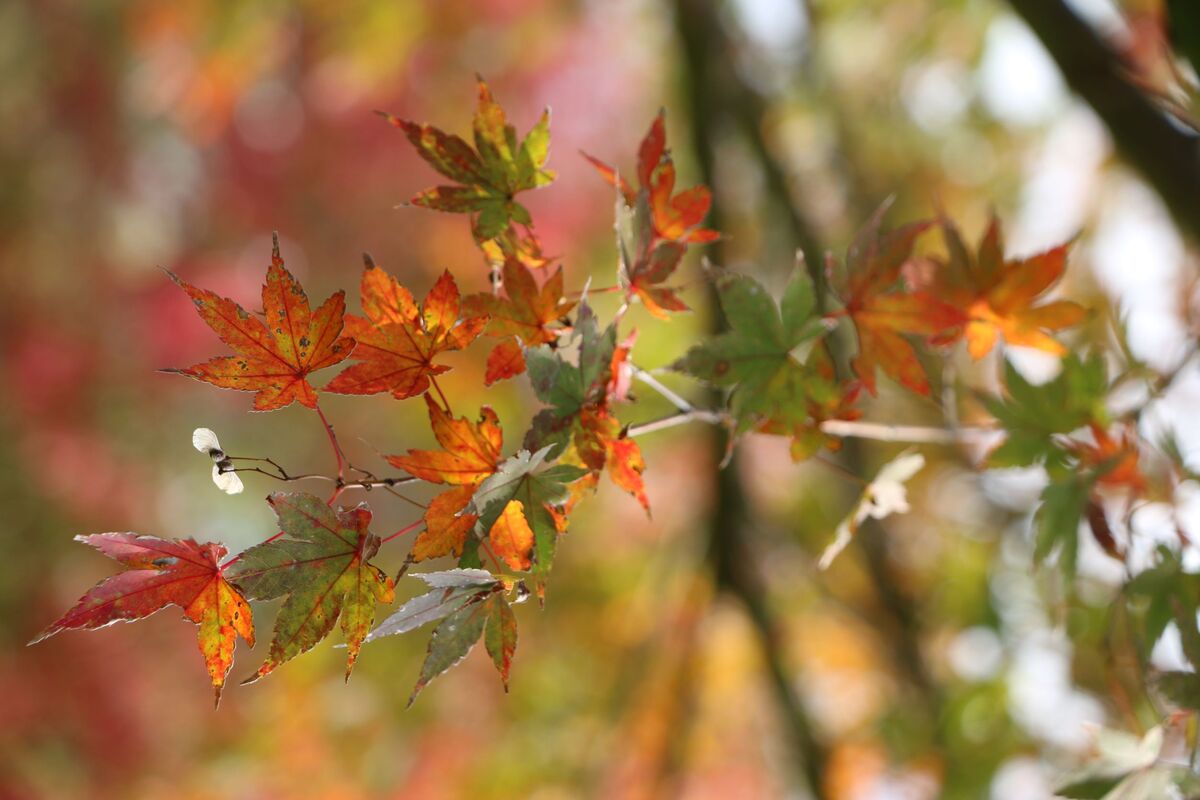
[165, 572]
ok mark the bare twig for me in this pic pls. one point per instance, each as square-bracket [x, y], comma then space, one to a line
[682, 418]
[674, 399]
[912, 434]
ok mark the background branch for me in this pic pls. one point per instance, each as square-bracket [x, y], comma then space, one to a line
[1165, 152]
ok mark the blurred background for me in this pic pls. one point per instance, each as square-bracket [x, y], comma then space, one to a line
[929, 661]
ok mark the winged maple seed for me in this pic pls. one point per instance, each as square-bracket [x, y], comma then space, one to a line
[164, 572]
[276, 356]
[488, 176]
[398, 341]
[999, 295]
[882, 307]
[525, 315]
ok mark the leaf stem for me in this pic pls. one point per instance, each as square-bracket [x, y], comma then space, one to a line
[402, 531]
[441, 394]
[337, 451]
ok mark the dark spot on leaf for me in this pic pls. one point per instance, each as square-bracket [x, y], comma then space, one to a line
[720, 368]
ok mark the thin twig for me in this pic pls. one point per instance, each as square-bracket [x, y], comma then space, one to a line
[402, 531]
[674, 399]
[682, 418]
[282, 477]
[342, 485]
[912, 434]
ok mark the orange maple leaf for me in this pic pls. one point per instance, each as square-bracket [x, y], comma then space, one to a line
[999, 295]
[274, 358]
[397, 341]
[471, 451]
[526, 312]
[675, 217]
[882, 307]
[1117, 458]
[511, 537]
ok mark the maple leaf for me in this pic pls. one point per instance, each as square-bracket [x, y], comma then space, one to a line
[675, 217]
[646, 259]
[826, 399]
[524, 247]
[450, 588]
[490, 617]
[471, 452]
[511, 537]
[526, 312]
[398, 341]
[320, 566]
[446, 525]
[579, 420]
[1115, 459]
[472, 603]
[490, 175]
[999, 295]
[274, 358]
[654, 225]
[1035, 417]
[538, 487]
[507, 360]
[882, 308]
[164, 572]
[759, 359]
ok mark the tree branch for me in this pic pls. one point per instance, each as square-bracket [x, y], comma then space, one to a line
[711, 89]
[1161, 149]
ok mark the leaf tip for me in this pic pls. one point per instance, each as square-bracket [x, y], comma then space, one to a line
[275, 256]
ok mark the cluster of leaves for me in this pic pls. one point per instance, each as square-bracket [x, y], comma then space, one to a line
[505, 511]
[500, 514]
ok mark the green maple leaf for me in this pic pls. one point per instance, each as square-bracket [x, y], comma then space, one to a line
[1033, 415]
[1166, 593]
[482, 614]
[538, 486]
[320, 566]
[567, 388]
[449, 591]
[491, 174]
[1057, 520]
[758, 356]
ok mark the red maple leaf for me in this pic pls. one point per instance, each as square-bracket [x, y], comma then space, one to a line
[675, 217]
[276, 356]
[882, 308]
[397, 341]
[165, 572]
